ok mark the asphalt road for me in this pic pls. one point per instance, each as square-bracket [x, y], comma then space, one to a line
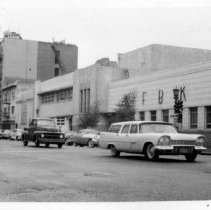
[91, 174]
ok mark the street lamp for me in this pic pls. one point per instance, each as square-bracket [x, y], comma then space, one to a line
[178, 105]
[176, 93]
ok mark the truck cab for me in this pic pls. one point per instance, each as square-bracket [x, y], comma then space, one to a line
[43, 131]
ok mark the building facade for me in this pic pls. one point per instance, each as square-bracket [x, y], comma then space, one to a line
[158, 57]
[29, 61]
[155, 99]
[16, 114]
[68, 97]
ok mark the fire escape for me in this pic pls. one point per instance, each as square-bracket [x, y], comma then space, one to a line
[59, 68]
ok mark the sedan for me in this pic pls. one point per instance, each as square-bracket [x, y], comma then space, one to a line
[87, 137]
[17, 134]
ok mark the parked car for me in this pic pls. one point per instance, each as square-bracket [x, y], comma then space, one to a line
[6, 134]
[1, 134]
[151, 139]
[87, 137]
[69, 135]
[43, 131]
[17, 134]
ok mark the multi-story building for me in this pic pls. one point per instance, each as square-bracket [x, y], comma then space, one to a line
[29, 61]
[68, 97]
[14, 115]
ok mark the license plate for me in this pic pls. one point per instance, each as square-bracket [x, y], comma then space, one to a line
[184, 150]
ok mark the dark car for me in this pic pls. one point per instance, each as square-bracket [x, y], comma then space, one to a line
[43, 131]
[86, 137]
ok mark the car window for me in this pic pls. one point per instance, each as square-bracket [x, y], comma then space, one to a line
[134, 129]
[114, 129]
[125, 128]
[156, 128]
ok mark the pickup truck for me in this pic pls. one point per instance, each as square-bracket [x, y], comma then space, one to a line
[43, 131]
[151, 138]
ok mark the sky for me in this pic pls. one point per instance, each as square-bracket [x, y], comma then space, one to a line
[104, 28]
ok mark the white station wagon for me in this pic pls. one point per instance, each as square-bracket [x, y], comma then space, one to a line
[151, 138]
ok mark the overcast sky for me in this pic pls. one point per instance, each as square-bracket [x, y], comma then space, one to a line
[103, 28]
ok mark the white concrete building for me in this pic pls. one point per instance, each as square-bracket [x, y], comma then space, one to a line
[155, 96]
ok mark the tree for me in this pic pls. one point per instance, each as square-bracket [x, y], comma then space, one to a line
[90, 118]
[125, 110]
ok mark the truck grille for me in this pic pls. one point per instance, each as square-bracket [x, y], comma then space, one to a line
[182, 142]
[52, 135]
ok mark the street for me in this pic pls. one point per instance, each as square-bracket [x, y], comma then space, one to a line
[76, 174]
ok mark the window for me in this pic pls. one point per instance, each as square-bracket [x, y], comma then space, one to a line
[48, 98]
[85, 100]
[153, 115]
[125, 128]
[193, 117]
[142, 116]
[208, 117]
[114, 129]
[60, 120]
[134, 129]
[60, 95]
[64, 95]
[56, 73]
[156, 128]
[13, 109]
[165, 115]
[13, 95]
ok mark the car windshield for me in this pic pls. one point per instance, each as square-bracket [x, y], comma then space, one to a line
[46, 123]
[156, 128]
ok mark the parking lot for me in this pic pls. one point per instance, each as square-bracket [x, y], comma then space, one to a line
[91, 174]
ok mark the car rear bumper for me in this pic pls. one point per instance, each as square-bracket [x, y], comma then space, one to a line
[51, 141]
[179, 149]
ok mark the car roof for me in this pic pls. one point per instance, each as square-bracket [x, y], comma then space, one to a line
[142, 122]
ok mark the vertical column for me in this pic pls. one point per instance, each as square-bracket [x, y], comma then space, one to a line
[147, 116]
[88, 99]
[185, 119]
[84, 100]
[159, 115]
[171, 118]
[81, 100]
[201, 118]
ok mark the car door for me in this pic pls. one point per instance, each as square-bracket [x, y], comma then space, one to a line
[123, 141]
[134, 137]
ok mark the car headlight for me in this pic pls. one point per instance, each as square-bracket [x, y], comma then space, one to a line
[42, 135]
[61, 136]
[164, 140]
[200, 141]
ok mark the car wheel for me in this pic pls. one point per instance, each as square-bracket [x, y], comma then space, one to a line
[150, 152]
[190, 157]
[114, 152]
[90, 144]
[59, 146]
[47, 145]
[25, 143]
[37, 143]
